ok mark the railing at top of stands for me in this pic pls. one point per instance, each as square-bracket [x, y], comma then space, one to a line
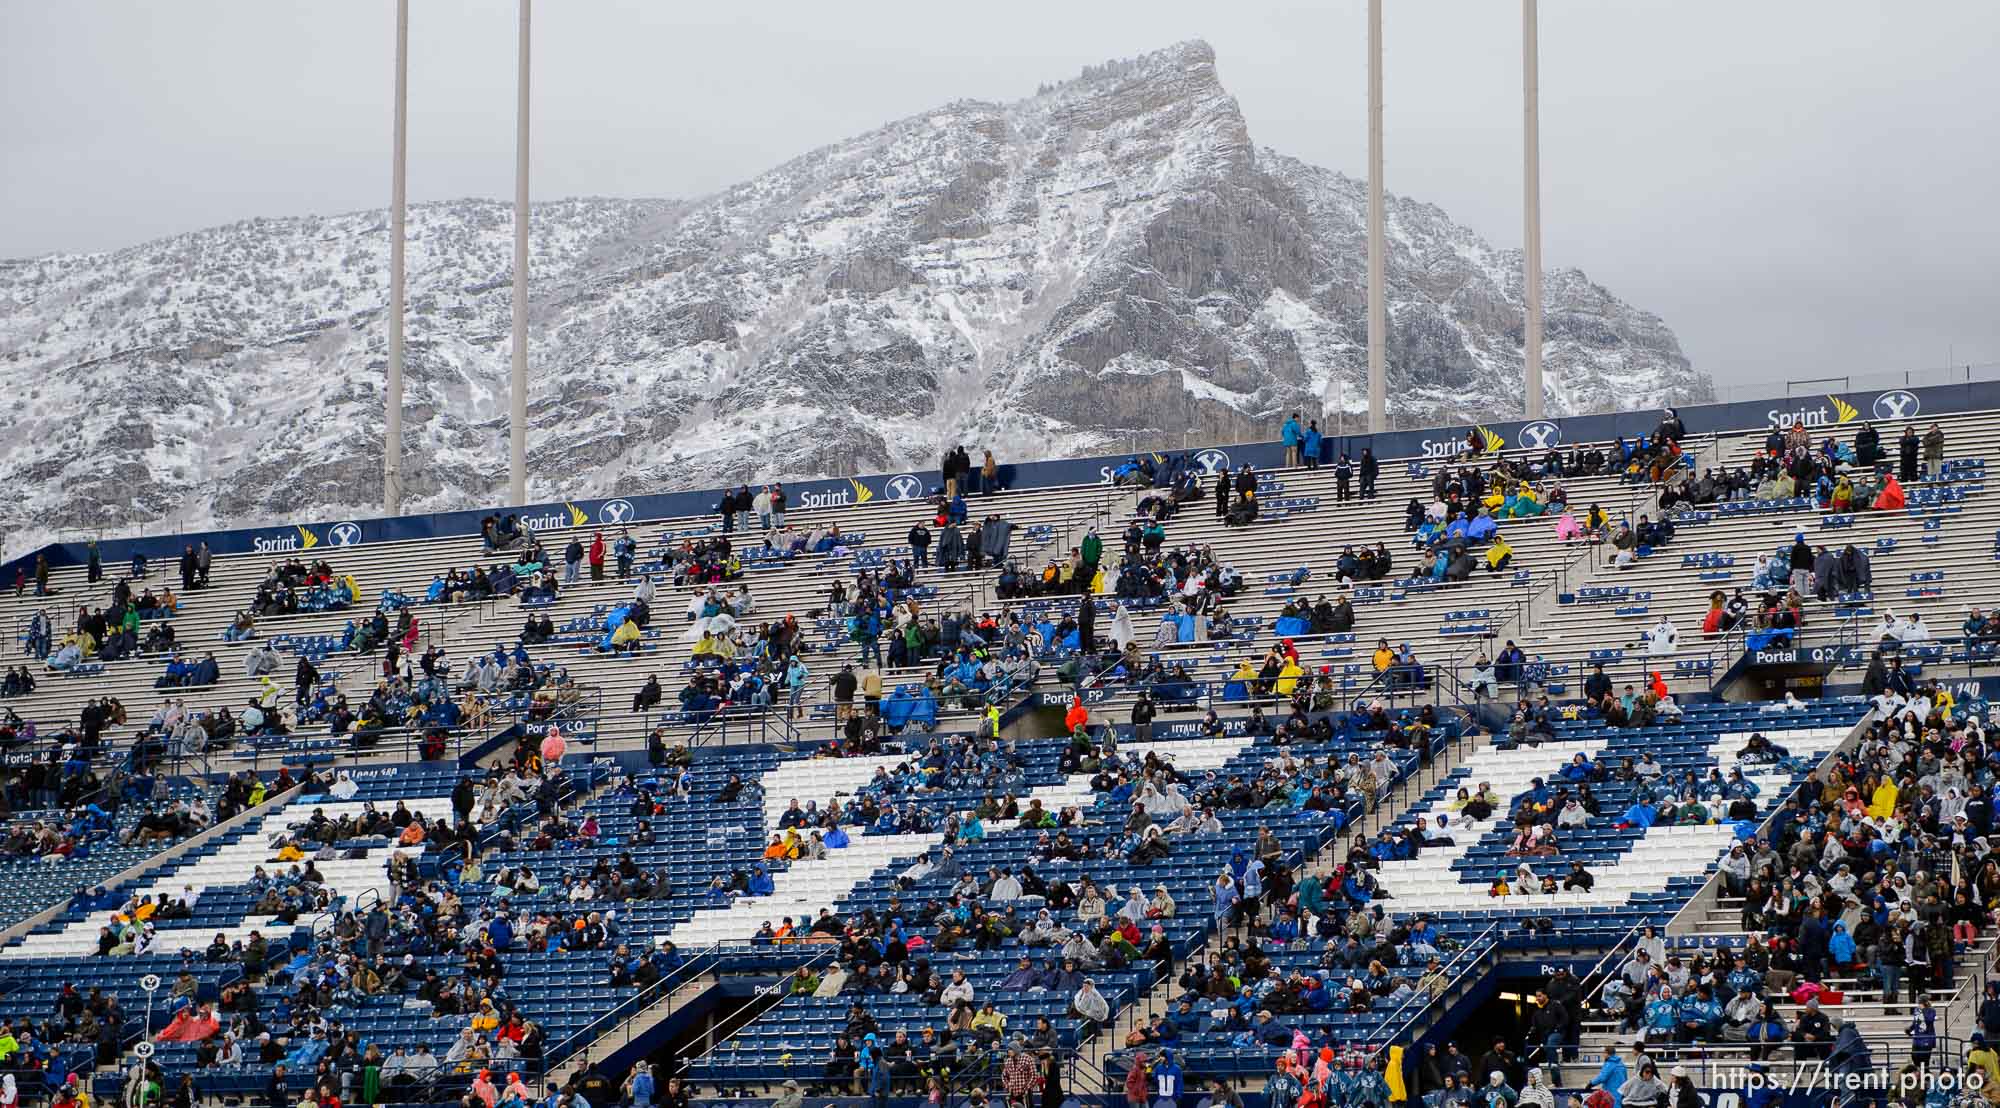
[750, 724]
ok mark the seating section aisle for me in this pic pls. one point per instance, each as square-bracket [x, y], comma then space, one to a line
[938, 901]
[1655, 816]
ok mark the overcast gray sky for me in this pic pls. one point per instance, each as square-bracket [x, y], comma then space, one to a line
[1797, 188]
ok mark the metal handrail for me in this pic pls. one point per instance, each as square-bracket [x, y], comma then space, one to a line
[760, 719]
[777, 992]
[1469, 958]
[1558, 578]
[1601, 972]
[701, 962]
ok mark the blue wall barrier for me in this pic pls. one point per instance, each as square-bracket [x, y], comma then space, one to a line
[322, 534]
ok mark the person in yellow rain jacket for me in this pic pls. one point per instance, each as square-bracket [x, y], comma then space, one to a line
[1498, 554]
[1288, 677]
[1882, 805]
[627, 635]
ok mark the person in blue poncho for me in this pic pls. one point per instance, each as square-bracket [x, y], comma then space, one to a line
[1496, 1093]
[1611, 1077]
[1640, 815]
[1537, 795]
[500, 932]
[1663, 1016]
[761, 883]
[1166, 1081]
[1226, 898]
[1283, 1088]
[1765, 1031]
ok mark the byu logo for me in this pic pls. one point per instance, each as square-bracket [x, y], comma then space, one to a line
[1541, 435]
[1897, 404]
[614, 511]
[1212, 461]
[344, 534]
[903, 486]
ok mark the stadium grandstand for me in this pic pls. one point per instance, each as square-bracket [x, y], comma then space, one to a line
[1614, 758]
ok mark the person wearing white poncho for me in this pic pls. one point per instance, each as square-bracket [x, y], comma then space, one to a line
[1664, 638]
[1090, 1004]
[1535, 1094]
[1121, 628]
[717, 626]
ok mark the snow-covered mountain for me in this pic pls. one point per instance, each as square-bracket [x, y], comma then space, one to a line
[1110, 258]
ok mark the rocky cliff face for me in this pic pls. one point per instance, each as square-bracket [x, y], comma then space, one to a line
[1111, 258]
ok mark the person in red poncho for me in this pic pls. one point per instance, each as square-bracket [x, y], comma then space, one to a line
[1891, 498]
[1138, 1081]
[1077, 716]
[482, 1087]
[191, 1026]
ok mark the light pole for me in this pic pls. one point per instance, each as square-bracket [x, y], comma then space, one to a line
[1531, 184]
[517, 469]
[392, 443]
[1378, 389]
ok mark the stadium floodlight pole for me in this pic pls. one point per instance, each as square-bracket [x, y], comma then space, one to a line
[517, 487]
[1531, 185]
[392, 441]
[1378, 316]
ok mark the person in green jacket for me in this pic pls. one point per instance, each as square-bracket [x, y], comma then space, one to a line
[1093, 549]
